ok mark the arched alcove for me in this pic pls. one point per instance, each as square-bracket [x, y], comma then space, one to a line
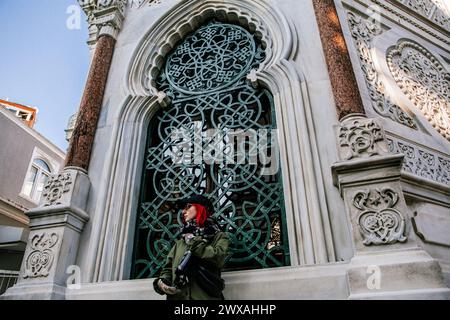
[215, 138]
[307, 222]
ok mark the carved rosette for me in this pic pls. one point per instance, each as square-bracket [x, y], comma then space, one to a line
[424, 81]
[379, 223]
[363, 33]
[40, 260]
[360, 137]
[55, 187]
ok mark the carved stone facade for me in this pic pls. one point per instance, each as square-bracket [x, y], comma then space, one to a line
[422, 162]
[361, 137]
[379, 222]
[140, 3]
[404, 76]
[55, 187]
[424, 80]
[39, 261]
[348, 194]
[433, 10]
[363, 33]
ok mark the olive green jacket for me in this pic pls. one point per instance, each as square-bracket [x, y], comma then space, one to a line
[214, 253]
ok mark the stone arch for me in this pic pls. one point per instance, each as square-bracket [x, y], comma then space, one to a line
[310, 238]
[258, 17]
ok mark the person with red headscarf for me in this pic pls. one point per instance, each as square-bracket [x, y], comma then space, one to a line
[192, 270]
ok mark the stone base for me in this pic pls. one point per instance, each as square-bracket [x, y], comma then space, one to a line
[403, 274]
[35, 292]
[406, 274]
[318, 282]
[425, 294]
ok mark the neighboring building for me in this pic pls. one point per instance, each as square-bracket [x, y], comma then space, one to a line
[25, 113]
[356, 204]
[27, 159]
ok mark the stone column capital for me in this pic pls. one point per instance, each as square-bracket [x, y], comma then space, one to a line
[105, 17]
[360, 137]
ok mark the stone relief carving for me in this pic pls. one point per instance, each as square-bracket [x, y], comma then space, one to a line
[360, 137]
[405, 17]
[421, 162]
[433, 10]
[424, 81]
[55, 187]
[379, 223]
[363, 33]
[39, 262]
[141, 3]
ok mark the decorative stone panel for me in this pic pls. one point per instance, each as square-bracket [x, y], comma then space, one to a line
[379, 222]
[433, 10]
[55, 187]
[424, 81]
[39, 260]
[363, 33]
[422, 162]
[66, 188]
[361, 137]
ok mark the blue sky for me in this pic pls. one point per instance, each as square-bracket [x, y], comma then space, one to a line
[43, 63]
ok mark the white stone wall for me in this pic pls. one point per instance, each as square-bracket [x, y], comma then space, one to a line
[296, 74]
[379, 35]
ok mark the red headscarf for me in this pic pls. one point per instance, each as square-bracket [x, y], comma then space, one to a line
[202, 214]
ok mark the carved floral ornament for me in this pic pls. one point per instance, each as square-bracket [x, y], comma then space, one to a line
[433, 10]
[55, 187]
[360, 137]
[421, 161]
[363, 32]
[424, 81]
[379, 223]
[40, 260]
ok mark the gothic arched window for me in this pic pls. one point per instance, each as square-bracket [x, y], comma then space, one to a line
[217, 138]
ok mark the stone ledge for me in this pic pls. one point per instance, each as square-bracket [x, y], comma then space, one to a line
[423, 294]
[309, 283]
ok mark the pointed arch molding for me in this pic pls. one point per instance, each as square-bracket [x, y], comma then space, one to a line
[259, 17]
[309, 230]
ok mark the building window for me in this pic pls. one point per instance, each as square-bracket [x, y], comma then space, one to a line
[36, 178]
[205, 78]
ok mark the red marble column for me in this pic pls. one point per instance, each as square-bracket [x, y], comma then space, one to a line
[80, 146]
[343, 81]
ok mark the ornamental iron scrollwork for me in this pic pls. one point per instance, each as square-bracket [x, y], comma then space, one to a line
[424, 81]
[40, 259]
[205, 79]
[379, 223]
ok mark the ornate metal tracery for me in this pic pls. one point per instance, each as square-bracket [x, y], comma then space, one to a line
[212, 102]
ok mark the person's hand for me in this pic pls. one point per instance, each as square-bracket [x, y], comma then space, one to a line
[167, 289]
[188, 237]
